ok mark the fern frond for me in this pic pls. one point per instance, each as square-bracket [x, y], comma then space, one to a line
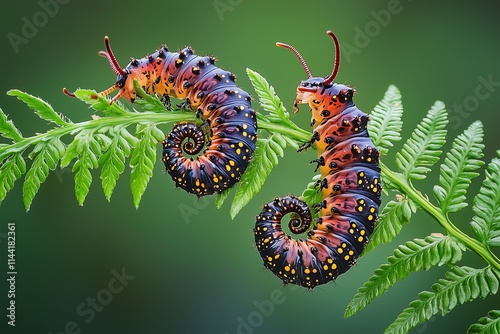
[394, 215]
[422, 149]
[312, 195]
[143, 159]
[11, 169]
[265, 158]
[41, 108]
[99, 103]
[413, 256]
[46, 156]
[86, 150]
[486, 222]
[385, 120]
[487, 325]
[146, 101]
[278, 119]
[459, 168]
[7, 129]
[267, 96]
[462, 284]
[112, 161]
[221, 197]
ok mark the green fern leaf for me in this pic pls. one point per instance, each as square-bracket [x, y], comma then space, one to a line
[148, 102]
[422, 149]
[312, 195]
[41, 108]
[385, 120]
[267, 96]
[462, 284]
[143, 159]
[264, 159]
[86, 149]
[7, 129]
[46, 157]
[413, 256]
[459, 168]
[112, 161]
[221, 197]
[100, 103]
[486, 222]
[11, 169]
[487, 325]
[391, 220]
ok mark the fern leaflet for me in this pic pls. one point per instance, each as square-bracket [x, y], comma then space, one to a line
[416, 255]
[462, 284]
[385, 120]
[486, 222]
[487, 325]
[459, 168]
[422, 149]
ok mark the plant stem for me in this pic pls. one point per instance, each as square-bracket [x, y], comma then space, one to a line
[291, 130]
[441, 218]
[127, 119]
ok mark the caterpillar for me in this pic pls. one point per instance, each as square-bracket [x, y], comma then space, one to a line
[350, 186]
[201, 159]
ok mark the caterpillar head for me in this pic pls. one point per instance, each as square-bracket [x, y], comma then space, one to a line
[322, 94]
[124, 80]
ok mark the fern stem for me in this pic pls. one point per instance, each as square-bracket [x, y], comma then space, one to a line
[127, 119]
[291, 130]
[471, 243]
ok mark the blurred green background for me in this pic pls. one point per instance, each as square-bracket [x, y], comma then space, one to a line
[194, 269]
